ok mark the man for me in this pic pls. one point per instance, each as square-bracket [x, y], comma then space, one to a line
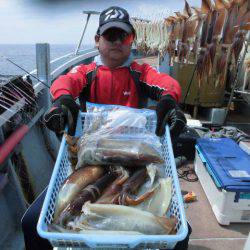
[113, 78]
[117, 80]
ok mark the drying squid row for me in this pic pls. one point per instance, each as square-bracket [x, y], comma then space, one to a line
[197, 35]
[151, 37]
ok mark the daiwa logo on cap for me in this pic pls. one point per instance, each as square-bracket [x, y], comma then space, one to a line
[113, 13]
[114, 17]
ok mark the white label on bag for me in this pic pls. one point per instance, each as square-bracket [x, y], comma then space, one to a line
[238, 173]
[126, 118]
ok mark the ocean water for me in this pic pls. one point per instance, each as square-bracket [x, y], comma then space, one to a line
[25, 56]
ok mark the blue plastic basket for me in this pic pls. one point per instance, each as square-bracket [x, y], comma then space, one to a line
[62, 169]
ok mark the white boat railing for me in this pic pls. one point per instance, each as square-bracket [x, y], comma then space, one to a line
[64, 63]
[55, 73]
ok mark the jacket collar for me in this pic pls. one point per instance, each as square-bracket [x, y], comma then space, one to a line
[127, 63]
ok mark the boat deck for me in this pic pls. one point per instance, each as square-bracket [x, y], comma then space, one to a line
[207, 234]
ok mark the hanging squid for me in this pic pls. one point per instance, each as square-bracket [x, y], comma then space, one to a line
[237, 45]
[171, 22]
[203, 61]
[200, 19]
[243, 25]
[216, 25]
[221, 8]
[231, 21]
[221, 64]
[182, 47]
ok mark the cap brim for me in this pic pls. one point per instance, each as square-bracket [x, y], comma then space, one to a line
[124, 26]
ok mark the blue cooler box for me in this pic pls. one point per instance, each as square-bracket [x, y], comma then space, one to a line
[223, 169]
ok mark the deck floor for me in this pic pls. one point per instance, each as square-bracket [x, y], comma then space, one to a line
[207, 234]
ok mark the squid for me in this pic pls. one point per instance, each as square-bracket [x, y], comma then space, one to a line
[110, 194]
[159, 203]
[217, 23]
[200, 19]
[74, 184]
[59, 229]
[189, 24]
[183, 47]
[122, 218]
[237, 45]
[172, 22]
[203, 61]
[221, 8]
[132, 186]
[89, 193]
[221, 64]
[231, 21]
[244, 14]
[117, 150]
[187, 11]
[72, 149]
[243, 25]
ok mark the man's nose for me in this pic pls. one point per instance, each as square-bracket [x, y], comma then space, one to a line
[117, 41]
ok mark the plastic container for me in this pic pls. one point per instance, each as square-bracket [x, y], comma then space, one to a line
[62, 169]
[229, 199]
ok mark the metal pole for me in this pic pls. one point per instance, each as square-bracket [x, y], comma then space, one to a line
[88, 13]
[85, 27]
[43, 72]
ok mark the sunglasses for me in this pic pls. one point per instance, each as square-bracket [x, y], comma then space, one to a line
[113, 35]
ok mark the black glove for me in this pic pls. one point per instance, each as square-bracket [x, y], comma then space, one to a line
[168, 112]
[64, 111]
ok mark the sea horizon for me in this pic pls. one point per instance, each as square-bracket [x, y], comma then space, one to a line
[25, 56]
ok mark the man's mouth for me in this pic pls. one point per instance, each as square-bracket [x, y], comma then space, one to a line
[116, 49]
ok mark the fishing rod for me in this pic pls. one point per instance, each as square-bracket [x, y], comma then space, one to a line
[46, 85]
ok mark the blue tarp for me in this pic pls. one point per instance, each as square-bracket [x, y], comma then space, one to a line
[228, 164]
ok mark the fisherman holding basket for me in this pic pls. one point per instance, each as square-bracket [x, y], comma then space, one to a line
[113, 78]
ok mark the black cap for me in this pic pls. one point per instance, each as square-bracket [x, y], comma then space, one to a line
[115, 17]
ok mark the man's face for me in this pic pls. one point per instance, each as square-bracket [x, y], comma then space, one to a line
[114, 45]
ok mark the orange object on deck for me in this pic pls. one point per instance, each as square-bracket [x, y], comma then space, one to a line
[190, 197]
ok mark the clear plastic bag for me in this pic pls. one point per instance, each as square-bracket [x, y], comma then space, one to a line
[119, 135]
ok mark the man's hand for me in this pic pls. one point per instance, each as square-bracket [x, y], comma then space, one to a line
[64, 111]
[168, 112]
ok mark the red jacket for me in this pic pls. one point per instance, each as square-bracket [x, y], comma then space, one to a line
[116, 86]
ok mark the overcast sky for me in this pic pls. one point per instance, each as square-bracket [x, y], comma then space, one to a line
[61, 22]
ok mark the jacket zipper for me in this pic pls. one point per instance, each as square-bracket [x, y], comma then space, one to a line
[111, 84]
